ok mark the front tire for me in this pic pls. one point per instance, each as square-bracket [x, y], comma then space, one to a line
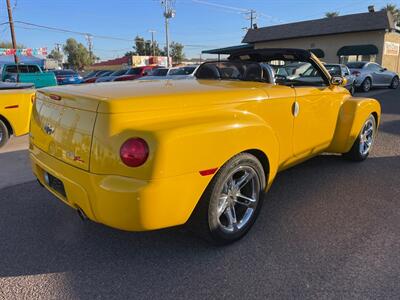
[4, 134]
[231, 203]
[395, 83]
[363, 144]
[366, 85]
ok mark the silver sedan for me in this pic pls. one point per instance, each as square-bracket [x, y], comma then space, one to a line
[369, 75]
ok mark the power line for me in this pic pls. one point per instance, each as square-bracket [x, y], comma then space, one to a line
[74, 32]
[237, 9]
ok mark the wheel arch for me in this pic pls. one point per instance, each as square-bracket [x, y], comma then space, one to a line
[8, 124]
[352, 115]
[263, 158]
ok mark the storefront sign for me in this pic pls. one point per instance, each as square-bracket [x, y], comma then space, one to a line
[26, 52]
[392, 48]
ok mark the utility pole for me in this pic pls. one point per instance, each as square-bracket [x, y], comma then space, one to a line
[58, 47]
[168, 14]
[89, 39]
[251, 16]
[152, 41]
[10, 20]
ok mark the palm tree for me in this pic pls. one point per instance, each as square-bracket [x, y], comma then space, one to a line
[392, 8]
[332, 14]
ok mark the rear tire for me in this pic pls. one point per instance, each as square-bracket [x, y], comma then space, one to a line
[4, 134]
[363, 144]
[395, 83]
[231, 203]
[366, 85]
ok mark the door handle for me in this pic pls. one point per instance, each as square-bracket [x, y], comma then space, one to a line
[295, 109]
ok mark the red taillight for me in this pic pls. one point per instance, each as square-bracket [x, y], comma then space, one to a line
[55, 97]
[356, 73]
[134, 152]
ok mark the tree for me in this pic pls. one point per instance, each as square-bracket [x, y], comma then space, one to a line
[176, 52]
[140, 47]
[8, 45]
[78, 55]
[144, 47]
[392, 8]
[56, 55]
[332, 14]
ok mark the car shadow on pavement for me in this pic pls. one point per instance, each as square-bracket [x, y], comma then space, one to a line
[14, 168]
[392, 127]
[323, 223]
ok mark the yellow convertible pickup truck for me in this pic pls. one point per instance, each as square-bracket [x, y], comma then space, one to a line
[15, 109]
[152, 154]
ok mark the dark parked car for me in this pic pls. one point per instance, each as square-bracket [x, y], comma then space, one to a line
[343, 71]
[112, 76]
[98, 75]
[369, 75]
[67, 77]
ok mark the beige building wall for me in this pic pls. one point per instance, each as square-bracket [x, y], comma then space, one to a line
[330, 44]
[391, 52]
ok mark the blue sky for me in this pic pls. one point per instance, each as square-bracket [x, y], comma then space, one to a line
[199, 24]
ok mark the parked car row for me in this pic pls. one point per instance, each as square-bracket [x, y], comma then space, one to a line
[360, 75]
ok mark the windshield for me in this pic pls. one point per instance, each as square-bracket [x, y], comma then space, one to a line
[355, 65]
[91, 74]
[182, 71]
[334, 70]
[118, 73]
[64, 72]
[245, 71]
[159, 72]
[134, 71]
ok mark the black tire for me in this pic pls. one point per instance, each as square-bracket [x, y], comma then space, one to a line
[355, 153]
[395, 83]
[206, 219]
[4, 134]
[366, 85]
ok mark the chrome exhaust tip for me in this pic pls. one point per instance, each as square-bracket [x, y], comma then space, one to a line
[82, 214]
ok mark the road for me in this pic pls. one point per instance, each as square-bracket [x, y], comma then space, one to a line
[329, 229]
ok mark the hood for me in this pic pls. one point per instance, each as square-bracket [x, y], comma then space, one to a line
[146, 95]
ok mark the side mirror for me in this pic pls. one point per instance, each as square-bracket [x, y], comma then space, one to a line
[338, 81]
[383, 69]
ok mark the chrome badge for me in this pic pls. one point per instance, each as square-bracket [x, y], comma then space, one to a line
[48, 129]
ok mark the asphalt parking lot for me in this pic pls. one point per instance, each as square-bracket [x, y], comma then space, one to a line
[329, 229]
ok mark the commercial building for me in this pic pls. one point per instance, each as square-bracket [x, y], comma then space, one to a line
[371, 36]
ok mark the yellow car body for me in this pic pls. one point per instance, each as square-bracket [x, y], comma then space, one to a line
[15, 109]
[192, 127]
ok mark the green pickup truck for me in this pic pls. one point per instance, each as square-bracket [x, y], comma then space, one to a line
[27, 73]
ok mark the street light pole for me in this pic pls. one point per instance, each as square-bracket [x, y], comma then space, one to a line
[166, 29]
[168, 14]
[10, 20]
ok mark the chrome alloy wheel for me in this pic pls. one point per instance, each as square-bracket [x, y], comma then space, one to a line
[238, 199]
[1, 135]
[367, 136]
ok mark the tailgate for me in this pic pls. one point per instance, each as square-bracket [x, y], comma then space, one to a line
[63, 128]
[39, 79]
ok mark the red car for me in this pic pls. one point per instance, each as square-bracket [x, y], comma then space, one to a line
[135, 73]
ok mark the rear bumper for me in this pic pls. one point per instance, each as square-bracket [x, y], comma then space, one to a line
[122, 202]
